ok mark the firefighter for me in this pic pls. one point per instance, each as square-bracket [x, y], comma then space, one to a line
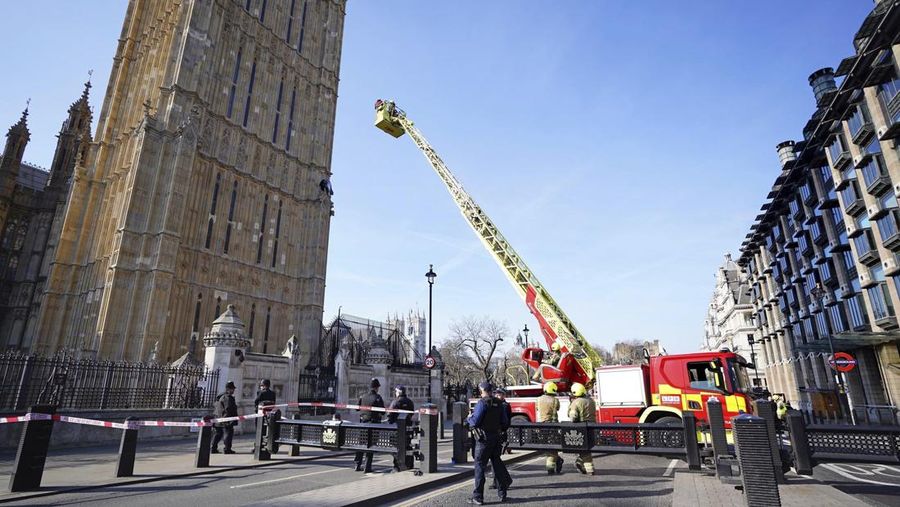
[548, 411]
[552, 359]
[781, 407]
[583, 409]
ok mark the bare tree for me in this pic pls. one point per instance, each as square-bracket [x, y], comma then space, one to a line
[515, 371]
[480, 336]
[458, 364]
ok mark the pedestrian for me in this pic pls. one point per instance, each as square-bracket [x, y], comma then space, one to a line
[548, 411]
[582, 409]
[487, 421]
[372, 399]
[401, 402]
[225, 407]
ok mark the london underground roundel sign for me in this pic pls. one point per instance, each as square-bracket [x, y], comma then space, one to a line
[842, 361]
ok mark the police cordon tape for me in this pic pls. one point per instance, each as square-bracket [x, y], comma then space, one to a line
[209, 422]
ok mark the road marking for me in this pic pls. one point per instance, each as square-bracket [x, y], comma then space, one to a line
[281, 479]
[464, 483]
[840, 471]
[671, 468]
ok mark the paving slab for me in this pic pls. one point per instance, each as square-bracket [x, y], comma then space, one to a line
[692, 489]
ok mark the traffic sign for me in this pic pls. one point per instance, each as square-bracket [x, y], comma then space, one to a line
[842, 361]
[430, 362]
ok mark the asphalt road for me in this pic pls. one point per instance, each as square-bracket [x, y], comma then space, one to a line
[877, 485]
[623, 480]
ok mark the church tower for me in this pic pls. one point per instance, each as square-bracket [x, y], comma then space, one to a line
[10, 160]
[201, 188]
[74, 140]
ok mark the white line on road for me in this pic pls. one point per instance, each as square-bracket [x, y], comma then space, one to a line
[840, 471]
[671, 468]
[281, 479]
[420, 499]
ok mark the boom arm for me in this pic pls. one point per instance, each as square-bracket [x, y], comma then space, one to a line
[554, 324]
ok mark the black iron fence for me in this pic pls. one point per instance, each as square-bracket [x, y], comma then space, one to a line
[816, 443]
[71, 383]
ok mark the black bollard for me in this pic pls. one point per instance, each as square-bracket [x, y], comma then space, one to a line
[755, 456]
[766, 410]
[127, 449]
[273, 431]
[799, 444]
[460, 435]
[428, 445]
[203, 444]
[32, 454]
[260, 453]
[691, 446]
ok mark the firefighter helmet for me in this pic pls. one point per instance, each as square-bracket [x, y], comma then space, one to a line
[550, 388]
[578, 389]
[554, 346]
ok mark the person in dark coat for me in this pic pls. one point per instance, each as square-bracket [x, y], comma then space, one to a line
[487, 421]
[225, 407]
[372, 399]
[401, 402]
[265, 396]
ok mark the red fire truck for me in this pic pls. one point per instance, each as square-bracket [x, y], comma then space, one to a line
[658, 391]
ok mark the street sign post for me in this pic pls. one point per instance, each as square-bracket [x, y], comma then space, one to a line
[842, 361]
[429, 362]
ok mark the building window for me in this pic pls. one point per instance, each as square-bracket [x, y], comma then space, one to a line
[703, 377]
[212, 210]
[277, 233]
[887, 225]
[838, 321]
[858, 119]
[234, 82]
[881, 301]
[249, 93]
[837, 149]
[262, 230]
[302, 27]
[218, 308]
[266, 332]
[856, 310]
[230, 216]
[887, 92]
[262, 12]
[290, 22]
[277, 111]
[199, 304]
[290, 125]
[247, 5]
[252, 320]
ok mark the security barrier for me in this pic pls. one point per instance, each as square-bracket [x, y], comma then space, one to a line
[817, 443]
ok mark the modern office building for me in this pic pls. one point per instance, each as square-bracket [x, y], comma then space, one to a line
[206, 184]
[822, 256]
[730, 318]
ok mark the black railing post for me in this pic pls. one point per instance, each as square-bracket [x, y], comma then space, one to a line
[127, 449]
[717, 427]
[260, 453]
[460, 435]
[295, 449]
[32, 454]
[799, 443]
[107, 383]
[691, 446]
[766, 410]
[273, 431]
[755, 457]
[24, 383]
[402, 444]
[428, 444]
[201, 459]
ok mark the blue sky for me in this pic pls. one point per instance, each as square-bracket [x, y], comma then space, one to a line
[621, 147]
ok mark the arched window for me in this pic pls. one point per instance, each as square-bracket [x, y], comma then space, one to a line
[196, 326]
[266, 333]
[262, 230]
[230, 216]
[212, 210]
[234, 79]
[252, 320]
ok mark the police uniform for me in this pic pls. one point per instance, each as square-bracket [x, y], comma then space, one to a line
[548, 411]
[583, 409]
[401, 403]
[488, 420]
[372, 399]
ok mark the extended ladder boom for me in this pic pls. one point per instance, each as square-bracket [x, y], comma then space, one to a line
[554, 324]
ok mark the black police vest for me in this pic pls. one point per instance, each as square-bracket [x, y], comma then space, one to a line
[493, 415]
[372, 399]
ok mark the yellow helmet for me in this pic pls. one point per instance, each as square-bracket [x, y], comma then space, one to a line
[550, 388]
[578, 389]
[554, 346]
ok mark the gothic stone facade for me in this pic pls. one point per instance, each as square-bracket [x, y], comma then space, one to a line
[32, 203]
[205, 184]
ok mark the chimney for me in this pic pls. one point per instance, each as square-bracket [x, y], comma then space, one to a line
[786, 152]
[822, 82]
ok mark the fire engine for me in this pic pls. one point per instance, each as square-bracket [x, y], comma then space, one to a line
[658, 391]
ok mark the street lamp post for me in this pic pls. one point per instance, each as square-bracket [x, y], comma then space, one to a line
[525, 331]
[752, 341]
[430, 275]
[819, 293]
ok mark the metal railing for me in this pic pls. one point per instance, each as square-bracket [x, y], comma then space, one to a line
[813, 444]
[71, 383]
[348, 436]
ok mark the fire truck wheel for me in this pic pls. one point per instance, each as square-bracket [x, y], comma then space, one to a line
[665, 438]
[519, 419]
[671, 421]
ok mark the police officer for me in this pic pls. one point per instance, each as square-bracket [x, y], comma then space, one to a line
[548, 411]
[224, 407]
[583, 409]
[372, 399]
[265, 396]
[487, 421]
[401, 402]
[500, 393]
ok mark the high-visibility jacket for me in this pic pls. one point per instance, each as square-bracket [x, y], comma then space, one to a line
[547, 408]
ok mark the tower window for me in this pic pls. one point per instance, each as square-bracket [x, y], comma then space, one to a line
[252, 320]
[262, 230]
[262, 12]
[302, 27]
[212, 210]
[290, 126]
[290, 23]
[247, 5]
[196, 326]
[278, 110]
[277, 233]
[266, 333]
[234, 81]
[249, 93]
[230, 216]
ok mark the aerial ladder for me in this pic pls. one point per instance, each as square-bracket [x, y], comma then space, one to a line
[579, 360]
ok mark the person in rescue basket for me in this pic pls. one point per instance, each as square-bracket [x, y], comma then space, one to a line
[401, 402]
[487, 421]
[372, 399]
[548, 411]
[225, 407]
[583, 409]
